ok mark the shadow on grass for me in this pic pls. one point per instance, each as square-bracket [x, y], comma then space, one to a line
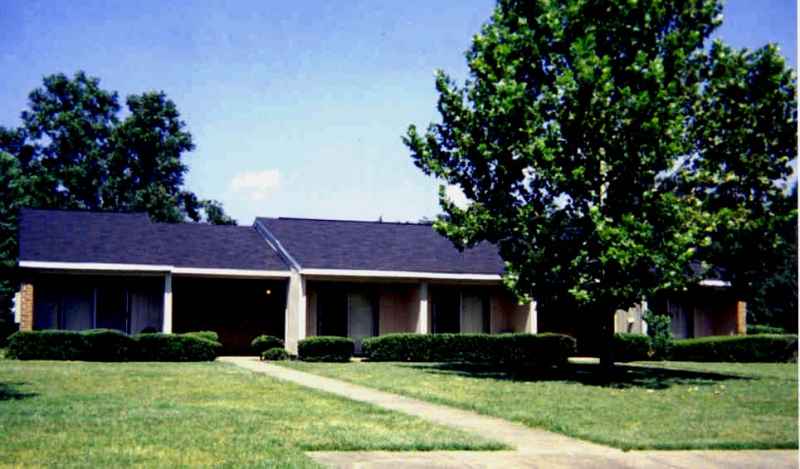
[10, 391]
[623, 376]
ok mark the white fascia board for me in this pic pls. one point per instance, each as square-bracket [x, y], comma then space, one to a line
[108, 267]
[95, 266]
[715, 283]
[230, 272]
[400, 274]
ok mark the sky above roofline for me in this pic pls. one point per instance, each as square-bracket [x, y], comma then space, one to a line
[297, 108]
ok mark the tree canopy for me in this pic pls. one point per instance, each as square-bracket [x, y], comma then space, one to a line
[745, 132]
[594, 139]
[75, 149]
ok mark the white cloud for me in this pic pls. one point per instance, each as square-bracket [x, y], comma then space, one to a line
[456, 195]
[256, 185]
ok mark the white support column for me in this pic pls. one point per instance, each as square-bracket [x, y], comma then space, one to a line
[642, 311]
[167, 325]
[532, 321]
[17, 308]
[296, 314]
[302, 310]
[423, 316]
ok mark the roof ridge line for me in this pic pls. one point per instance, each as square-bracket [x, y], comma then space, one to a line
[195, 223]
[333, 220]
[81, 210]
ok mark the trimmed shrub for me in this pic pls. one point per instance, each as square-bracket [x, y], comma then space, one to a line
[754, 329]
[275, 353]
[325, 349]
[107, 345]
[208, 335]
[263, 343]
[46, 345]
[631, 347]
[535, 350]
[659, 329]
[175, 348]
[507, 349]
[754, 348]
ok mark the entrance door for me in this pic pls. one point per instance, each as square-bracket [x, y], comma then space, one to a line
[361, 318]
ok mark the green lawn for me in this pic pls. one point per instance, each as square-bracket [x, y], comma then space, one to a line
[191, 414]
[666, 405]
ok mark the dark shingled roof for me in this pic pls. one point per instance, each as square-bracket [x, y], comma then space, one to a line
[359, 245]
[131, 238]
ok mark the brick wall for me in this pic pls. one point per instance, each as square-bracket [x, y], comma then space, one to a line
[26, 308]
[741, 317]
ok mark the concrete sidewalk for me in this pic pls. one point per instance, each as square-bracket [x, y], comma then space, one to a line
[532, 447]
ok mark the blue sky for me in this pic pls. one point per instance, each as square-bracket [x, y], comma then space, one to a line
[296, 108]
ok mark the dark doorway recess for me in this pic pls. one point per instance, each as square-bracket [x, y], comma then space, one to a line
[236, 309]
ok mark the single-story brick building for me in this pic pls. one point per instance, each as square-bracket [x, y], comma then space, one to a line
[287, 277]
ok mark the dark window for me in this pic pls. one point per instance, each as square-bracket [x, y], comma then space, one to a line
[112, 308]
[86, 302]
[474, 312]
[63, 305]
[76, 309]
[446, 311]
[363, 317]
[46, 305]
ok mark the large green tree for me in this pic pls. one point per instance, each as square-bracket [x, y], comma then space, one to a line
[572, 138]
[75, 150]
[12, 195]
[745, 132]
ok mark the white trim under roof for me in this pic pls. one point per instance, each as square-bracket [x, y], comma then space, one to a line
[715, 283]
[95, 266]
[400, 274]
[230, 272]
[110, 267]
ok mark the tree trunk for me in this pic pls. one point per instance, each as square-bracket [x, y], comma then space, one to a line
[607, 344]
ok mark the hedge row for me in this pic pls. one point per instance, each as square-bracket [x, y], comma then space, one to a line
[631, 347]
[754, 348]
[502, 349]
[111, 345]
[753, 329]
[738, 348]
[325, 349]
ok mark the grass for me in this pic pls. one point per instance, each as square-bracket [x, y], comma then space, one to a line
[665, 405]
[190, 414]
